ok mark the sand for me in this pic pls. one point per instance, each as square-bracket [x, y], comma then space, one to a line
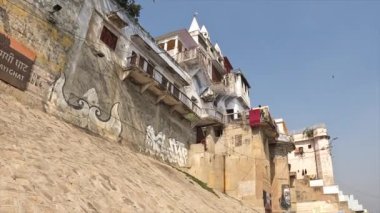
[48, 165]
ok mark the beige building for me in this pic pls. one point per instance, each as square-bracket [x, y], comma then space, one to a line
[280, 174]
[311, 173]
[312, 156]
[239, 161]
[91, 65]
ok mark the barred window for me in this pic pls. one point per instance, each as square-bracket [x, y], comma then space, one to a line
[238, 140]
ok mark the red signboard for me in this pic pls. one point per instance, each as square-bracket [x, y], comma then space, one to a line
[16, 62]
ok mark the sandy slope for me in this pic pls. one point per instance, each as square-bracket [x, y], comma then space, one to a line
[47, 165]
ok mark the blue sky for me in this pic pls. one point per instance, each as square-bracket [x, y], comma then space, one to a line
[290, 51]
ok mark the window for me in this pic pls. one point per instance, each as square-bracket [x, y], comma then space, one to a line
[202, 42]
[309, 146]
[149, 69]
[179, 46]
[300, 150]
[108, 38]
[141, 62]
[218, 131]
[230, 113]
[170, 45]
[176, 91]
[216, 77]
[164, 82]
[238, 140]
[162, 45]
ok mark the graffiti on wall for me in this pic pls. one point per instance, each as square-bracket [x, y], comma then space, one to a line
[285, 198]
[267, 200]
[85, 113]
[169, 150]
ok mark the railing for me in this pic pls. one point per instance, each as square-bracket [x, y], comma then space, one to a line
[143, 65]
[242, 116]
[146, 67]
[196, 53]
[316, 126]
[214, 114]
[284, 138]
[266, 117]
[223, 88]
[187, 55]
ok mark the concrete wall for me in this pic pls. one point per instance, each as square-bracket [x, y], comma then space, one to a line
[316, 198]
[85, 89]
[280, 182]
[317, 206]
[247, 164]
[236, 163]
[305, 161]
[207, 167]
[324, 160]
[28, 23]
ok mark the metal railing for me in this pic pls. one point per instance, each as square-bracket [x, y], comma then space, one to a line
[143, 65]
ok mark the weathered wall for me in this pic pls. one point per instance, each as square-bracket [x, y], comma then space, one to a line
[317, 206]
[305, 161]
[119, 109]
[85, 89]
[207, 167]
[281, 199]
[324, 161]
[315, 197]
[237, 163]
[316, 158]
[27, 22]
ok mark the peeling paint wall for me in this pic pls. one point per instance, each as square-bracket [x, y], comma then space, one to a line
[81, 87]
[137, 112]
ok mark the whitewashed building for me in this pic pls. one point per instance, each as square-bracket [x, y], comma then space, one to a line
[312, 156]
[216, 87]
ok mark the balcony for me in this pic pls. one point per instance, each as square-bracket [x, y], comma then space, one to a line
[284, 138]
[260, 117]
[213, 115]
[218, 66]
[144, 73]
[192, 57]
[222, 88]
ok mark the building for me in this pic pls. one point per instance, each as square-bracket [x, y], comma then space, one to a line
[280, 171]
[176, 98]
[312, 156]
[311, 173]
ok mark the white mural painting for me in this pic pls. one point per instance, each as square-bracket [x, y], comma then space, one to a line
[87, 112]
[168, 150]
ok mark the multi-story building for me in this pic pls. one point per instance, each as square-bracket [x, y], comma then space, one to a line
[311, 173]
[216, 87]
[312, 156]
[280, 174]
[177, 98]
